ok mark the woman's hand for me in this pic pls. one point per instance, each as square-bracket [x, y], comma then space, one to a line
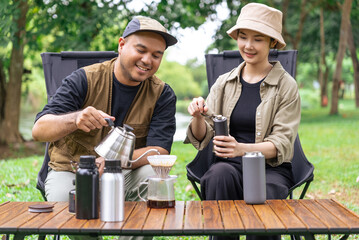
[198, 125]
[196, 107]
[227, 147]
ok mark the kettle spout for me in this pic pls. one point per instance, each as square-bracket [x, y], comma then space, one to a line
[145, 153]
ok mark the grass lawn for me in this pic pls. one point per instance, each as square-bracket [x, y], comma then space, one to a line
[329, 142]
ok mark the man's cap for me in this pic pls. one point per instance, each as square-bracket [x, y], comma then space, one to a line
[142, 24]
[260, 18]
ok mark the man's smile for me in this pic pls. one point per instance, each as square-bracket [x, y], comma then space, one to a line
[143, 68]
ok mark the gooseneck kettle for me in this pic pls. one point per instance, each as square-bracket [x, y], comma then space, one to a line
[119, 144]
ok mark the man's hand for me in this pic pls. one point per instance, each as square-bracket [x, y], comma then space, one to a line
[100, 162]
[90, 118]
[51, 127]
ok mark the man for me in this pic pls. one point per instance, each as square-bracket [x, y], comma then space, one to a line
[123, 89]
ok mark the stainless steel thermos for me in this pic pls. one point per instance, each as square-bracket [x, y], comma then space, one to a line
[87, 189]
[220, 125]
[254, 178]
[112, 192]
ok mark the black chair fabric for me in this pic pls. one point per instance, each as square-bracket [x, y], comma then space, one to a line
[218, 64]
[56, 67]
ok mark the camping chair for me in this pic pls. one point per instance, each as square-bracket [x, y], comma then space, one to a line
[56, 67]
[218, 64]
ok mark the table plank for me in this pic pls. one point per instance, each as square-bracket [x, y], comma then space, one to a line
[251, 221]
[42, 218]
[92, 226]
[22, 218]
[73, 225]
[136, 219]
[155, 221]
[231, 220]
[174, 220]
[3, 203]
[7, 207]
[54, 225]
[312, 222]
[212, 220]
[289, 219]
[344, 214]
[13, 211]
[331, 221]
[271, 222]
[193, 218]
[116, 227]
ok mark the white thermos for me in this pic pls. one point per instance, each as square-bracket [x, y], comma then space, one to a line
[112, 192]
[254, 178]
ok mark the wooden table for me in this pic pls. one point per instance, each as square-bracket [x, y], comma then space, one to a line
[294, 217]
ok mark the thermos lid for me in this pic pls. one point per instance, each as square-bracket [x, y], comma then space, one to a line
[87, 161]
[219, 118]
[253, 154]
[112, 165]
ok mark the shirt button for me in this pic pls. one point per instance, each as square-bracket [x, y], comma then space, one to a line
[258, 113]
[263, 84]
[258, 133]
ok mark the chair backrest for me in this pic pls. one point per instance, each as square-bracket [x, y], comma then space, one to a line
[59, 65]
[56, 67]
[217, 64]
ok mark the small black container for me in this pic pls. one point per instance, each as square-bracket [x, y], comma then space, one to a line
[220, 126]
[87, 189]
[72, 196]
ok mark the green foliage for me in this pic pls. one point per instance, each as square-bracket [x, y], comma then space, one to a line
[309, 98]
[179, 78]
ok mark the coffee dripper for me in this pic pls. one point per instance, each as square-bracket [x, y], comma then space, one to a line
[119, 144]
[160, 192]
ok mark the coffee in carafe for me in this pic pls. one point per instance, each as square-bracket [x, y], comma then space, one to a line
[160, 188]
[161, 203]
[160, 192]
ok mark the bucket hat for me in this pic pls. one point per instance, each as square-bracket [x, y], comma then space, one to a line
[260, 18]
[141, 24]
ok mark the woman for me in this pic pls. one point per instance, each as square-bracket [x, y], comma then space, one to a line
[262, 105]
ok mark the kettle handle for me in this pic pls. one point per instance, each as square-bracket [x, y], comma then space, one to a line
[110, 122]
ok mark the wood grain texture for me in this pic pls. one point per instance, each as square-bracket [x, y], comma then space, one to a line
[231, 219]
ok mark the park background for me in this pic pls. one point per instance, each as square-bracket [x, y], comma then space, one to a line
[325, 33]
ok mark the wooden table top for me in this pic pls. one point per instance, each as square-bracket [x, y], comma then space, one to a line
[321, 216]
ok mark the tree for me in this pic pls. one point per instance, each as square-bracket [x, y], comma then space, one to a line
[180, 78]
[323, 66]
[344, 29]
[26, 16]
[57, 25]
[353, 54]
[12, 91]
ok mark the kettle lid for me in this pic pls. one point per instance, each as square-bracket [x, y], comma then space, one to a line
[128, 128]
